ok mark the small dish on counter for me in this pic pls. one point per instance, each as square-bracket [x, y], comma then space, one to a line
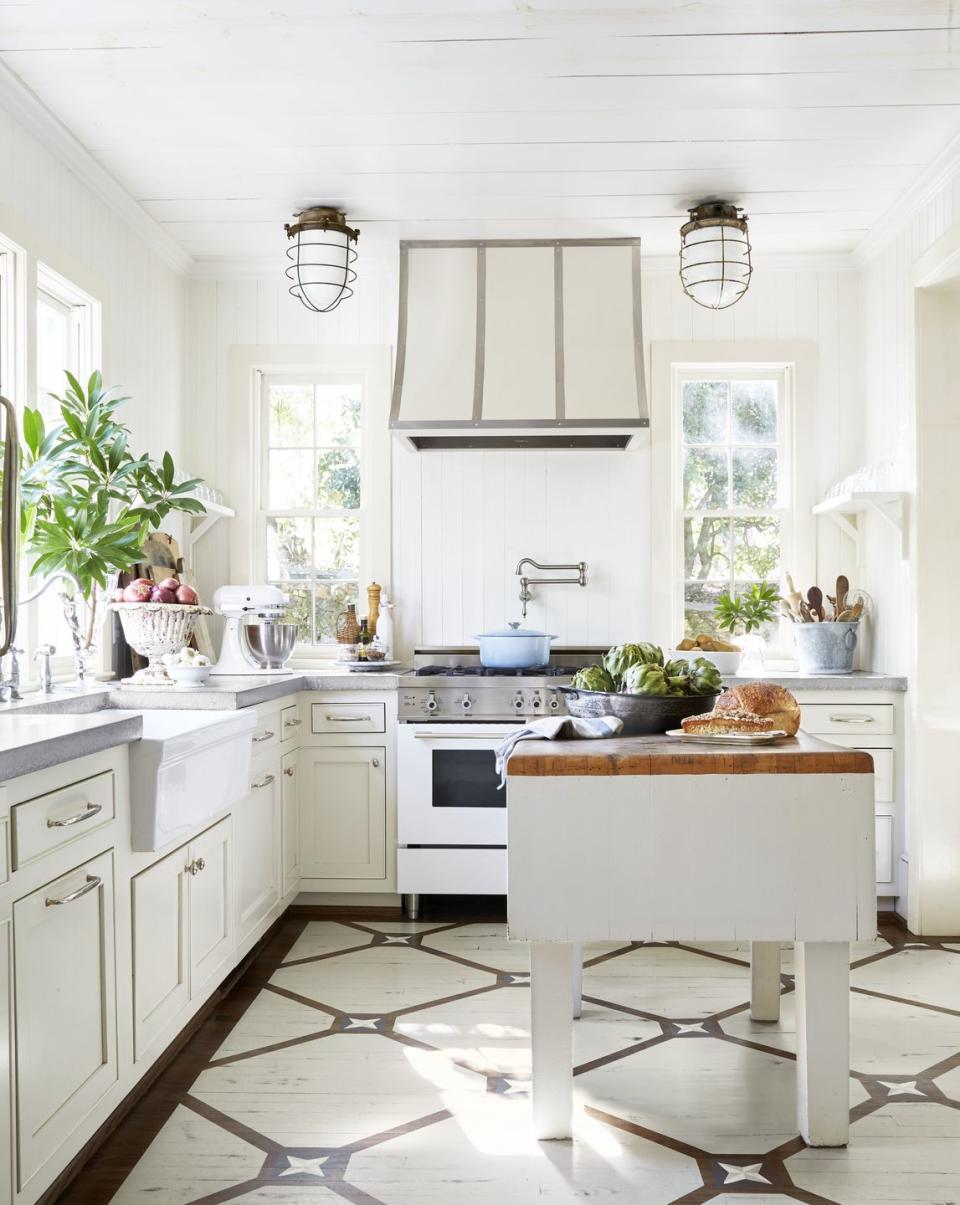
[189, 676]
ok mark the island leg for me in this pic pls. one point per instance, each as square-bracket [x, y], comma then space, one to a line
[823, 1042]
[765, 980]
[551, 1027]
[577, 979]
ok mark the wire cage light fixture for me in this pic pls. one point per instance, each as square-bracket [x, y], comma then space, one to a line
[715, 264]
[321, 257]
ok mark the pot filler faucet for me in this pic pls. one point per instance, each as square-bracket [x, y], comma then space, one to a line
[527, 582]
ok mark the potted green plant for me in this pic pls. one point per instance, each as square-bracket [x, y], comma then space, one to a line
[87, 502]
[748, 614]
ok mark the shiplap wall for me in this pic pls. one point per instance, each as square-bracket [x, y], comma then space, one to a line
[463, 519]
[56, 218]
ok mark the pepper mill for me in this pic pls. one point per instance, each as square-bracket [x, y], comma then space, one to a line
[373, 605]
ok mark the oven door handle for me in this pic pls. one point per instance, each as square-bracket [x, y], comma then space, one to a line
[462, 736]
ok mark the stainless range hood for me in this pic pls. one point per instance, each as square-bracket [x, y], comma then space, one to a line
[519, 343]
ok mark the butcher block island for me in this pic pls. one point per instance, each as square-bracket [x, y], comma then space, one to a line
[651, 838]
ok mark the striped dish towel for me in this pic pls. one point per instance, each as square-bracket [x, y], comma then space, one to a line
[552, 728]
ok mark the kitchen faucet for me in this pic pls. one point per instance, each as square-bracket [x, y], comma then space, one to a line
[527, 582]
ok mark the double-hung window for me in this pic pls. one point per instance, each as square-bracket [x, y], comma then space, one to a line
[732, 485]
[314, 493]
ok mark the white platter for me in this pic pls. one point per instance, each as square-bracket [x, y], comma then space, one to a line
[730, 738]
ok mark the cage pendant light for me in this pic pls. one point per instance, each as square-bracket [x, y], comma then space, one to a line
[321, 258]
[715, 262]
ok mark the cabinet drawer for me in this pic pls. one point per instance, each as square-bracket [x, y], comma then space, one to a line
[348, 717]
[848, 719]
[289, 722]
[883, 765]
[49, 821]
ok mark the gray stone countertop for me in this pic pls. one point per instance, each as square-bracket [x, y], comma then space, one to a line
[228, 693]
[34, 742]
[794, 680]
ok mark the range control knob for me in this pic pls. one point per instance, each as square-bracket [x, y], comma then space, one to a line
[537, 701]
[554, 704]
[466, 703]
[432, 704]
[518, 701]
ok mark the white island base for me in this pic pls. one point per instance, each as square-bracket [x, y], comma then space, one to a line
[637, 839]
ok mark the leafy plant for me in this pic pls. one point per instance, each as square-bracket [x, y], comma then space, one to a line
[88, 503]
[749, 612]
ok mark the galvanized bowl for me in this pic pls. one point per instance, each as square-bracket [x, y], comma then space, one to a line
[641, 714]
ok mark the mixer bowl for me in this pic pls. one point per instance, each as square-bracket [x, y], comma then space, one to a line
[270, 644]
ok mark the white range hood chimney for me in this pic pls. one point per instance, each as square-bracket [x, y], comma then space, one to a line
[519, 344]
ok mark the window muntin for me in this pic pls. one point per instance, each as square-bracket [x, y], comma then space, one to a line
[733, 485]
[313, 504]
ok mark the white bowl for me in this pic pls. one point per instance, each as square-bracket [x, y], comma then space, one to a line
[189, 675]
[726, 663]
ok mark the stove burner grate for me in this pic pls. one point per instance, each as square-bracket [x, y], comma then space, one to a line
[480, 671]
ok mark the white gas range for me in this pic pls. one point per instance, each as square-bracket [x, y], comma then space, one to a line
[451, 814]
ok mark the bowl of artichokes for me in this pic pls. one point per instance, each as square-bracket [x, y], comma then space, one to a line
[646, 692]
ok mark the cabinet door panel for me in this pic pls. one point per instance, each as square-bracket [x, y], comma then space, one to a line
[257, 830]
[161, 972]
[210, 892]
[6, 1064]
[290, 821]
[343, 813]
[65, 1003]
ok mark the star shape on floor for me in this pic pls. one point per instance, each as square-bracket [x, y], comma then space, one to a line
[361, 1022]
[737, 1173]
[304, 1167]
[906, 1088]
[388, 939]
[520, 978]
[695, 1027]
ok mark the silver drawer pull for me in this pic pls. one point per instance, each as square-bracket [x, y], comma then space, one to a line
[92, 883]
[264, 782]
[350, 719]
[849, 718]
[293, 723]
[289, 771]
[265, 737]
[89, 811]
[375, 762]
[195, 866]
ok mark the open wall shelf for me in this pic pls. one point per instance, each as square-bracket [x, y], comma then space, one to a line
[846, 508]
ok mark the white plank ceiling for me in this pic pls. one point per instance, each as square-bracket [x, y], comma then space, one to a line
[499, 119]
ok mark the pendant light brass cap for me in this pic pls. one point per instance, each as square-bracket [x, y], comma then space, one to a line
[321, 217]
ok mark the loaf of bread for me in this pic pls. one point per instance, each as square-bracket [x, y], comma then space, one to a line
[763, 699]
[724, 723]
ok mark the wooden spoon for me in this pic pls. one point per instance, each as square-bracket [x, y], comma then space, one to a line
[815, 600]
[793, 596]
[843, 589]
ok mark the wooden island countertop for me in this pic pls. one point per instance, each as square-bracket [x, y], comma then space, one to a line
[669, 755]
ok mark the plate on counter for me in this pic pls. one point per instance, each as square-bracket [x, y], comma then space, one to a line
[365, 666]
[731, 738]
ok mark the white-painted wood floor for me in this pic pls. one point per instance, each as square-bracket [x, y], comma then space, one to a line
[387, 1063]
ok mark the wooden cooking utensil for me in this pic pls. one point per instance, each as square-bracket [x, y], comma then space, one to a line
[815, 600]
[793, 596]
[787, 610]
[843, 589]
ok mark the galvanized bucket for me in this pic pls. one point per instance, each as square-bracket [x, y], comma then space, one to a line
[826, 648]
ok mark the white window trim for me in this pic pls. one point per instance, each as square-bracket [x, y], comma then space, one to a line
[670, 362]
[13, 321]
[371, 365]
[85, 315]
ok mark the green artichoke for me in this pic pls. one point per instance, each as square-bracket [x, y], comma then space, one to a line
[705, 677]
[622, 656]
[646, 679]
[593, 677]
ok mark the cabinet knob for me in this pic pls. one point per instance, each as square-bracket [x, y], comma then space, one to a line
[196, 866]
[289, 771]
[375, 761]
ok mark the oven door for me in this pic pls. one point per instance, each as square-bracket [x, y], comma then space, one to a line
[447, 784]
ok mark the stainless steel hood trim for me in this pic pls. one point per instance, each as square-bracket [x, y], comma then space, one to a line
[477, 422]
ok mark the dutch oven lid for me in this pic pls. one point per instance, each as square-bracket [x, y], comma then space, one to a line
[514, 629]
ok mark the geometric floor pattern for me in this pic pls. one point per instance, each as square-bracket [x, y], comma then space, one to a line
[388, 1063]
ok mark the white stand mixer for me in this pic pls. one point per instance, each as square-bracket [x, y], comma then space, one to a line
[272, 642]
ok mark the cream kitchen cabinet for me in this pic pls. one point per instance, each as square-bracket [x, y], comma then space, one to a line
[6, 1064]
[65, 1007]
[343, 813]
[257, 829]
[290, 822]
[182, 931]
